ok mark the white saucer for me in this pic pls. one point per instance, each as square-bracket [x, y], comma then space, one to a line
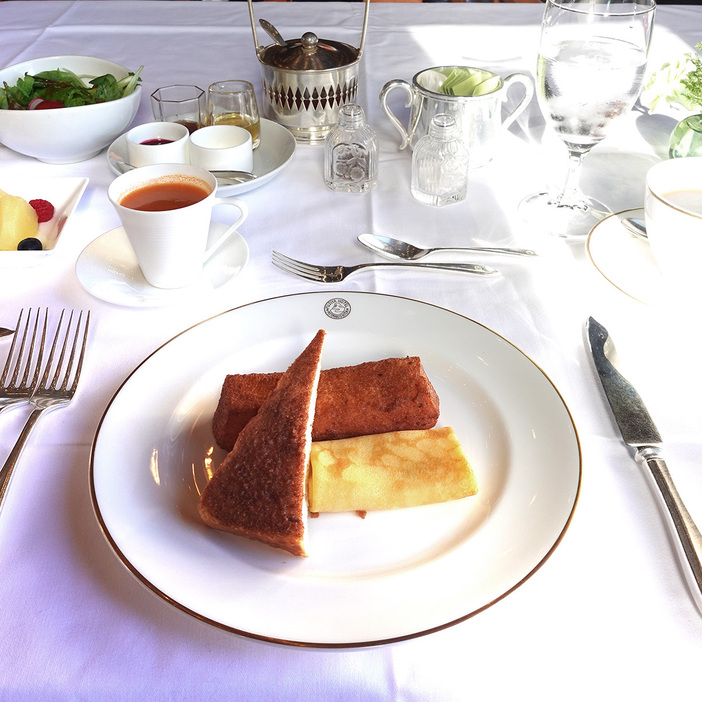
[108, 269]
[623, 259]
[273, 154]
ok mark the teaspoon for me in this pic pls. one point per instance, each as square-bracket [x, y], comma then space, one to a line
[636, 226]
[223, 177]
[394, 248]
[272, 32]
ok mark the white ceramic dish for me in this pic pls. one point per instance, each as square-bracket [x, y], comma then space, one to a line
[393, 575]
[69, 134]
[108, 269]
[63, 193]
[623, 259]
[273, 154]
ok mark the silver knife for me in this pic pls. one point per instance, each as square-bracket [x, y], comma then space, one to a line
[639, 432]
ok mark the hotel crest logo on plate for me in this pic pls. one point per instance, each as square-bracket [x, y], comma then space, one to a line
[337, 308]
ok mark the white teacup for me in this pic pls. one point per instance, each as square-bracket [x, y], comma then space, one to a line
[673, 206]
[157, 142]
[222, 147]
[478, 117]
[171, 245]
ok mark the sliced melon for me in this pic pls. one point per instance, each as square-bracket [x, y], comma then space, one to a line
[18, 220]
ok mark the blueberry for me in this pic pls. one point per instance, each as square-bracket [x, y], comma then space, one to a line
[30, 244]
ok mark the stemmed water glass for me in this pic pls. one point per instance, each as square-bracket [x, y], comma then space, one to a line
[592, 58]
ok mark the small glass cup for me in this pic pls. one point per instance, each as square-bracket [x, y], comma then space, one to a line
[185, 104]
[234, 102]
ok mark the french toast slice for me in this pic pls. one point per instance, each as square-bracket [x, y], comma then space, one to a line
[375, 397]
[260, 489]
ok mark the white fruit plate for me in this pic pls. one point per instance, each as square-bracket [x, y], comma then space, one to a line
[63, 193]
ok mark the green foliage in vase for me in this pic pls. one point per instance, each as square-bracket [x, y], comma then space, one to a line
[691, 83]
[677, 83]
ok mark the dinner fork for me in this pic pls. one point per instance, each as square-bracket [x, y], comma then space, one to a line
[53, 390]
[335, 274]
[15, 383]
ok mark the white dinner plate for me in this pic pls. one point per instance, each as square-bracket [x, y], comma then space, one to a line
[272, 155]
[395, 574]
[63, 193]
[623, 259]
[108, 269]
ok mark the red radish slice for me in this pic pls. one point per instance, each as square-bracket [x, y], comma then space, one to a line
[48, 105]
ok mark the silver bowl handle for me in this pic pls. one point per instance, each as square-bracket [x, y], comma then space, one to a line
[253, 29]
[363, 31]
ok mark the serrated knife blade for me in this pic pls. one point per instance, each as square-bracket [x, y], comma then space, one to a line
[639, 431]
[630, 413]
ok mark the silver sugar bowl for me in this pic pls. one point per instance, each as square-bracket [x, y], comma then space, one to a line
[307, 80]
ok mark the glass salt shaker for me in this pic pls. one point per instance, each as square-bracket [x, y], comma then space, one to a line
[351, 153]
[440, 164]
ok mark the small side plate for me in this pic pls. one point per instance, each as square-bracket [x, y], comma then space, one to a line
[269, 159]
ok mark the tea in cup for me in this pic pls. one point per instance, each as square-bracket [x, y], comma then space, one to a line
[157, 142]
[478, 114]
[673, 207]
[165, 212]
[222, 147]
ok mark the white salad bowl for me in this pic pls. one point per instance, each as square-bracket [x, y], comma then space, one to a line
[66, 134]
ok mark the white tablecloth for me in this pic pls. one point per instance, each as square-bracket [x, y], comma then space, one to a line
[607, 616]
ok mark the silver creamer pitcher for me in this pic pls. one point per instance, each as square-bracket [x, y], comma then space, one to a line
[479, 117]
[305, 81]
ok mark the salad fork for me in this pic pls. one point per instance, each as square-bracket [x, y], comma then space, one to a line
[54, 390]
[335, 274]
[16, 385]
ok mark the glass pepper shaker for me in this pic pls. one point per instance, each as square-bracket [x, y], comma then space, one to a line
[351, 153]
[440, 164]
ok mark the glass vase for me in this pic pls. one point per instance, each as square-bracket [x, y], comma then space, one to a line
[686, 138]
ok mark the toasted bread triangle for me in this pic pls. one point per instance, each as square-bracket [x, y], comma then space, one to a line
[260, 490]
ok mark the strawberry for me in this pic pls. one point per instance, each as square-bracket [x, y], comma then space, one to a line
[43, 208]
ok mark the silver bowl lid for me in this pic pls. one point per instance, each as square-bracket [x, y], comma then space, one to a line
[309, 53]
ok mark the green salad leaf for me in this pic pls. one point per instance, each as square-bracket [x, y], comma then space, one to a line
[67, 88]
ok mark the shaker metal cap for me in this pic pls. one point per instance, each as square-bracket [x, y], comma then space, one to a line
[309, 53]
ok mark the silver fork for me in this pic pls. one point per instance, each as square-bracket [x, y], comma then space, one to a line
[54, 390]
[335, 274]
[16, 385]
